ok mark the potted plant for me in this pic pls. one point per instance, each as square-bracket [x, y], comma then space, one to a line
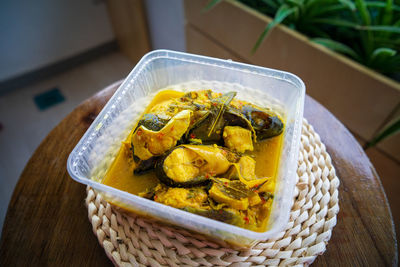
[360, 97]
[366, 31]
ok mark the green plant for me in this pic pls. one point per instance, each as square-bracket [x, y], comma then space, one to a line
[390, 129]
[366, 31]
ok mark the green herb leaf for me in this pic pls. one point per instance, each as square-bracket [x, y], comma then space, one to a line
[222, 102]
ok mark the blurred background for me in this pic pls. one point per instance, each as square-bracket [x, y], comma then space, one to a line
[56, 54]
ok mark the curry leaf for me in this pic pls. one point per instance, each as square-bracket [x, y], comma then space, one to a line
[222, 103]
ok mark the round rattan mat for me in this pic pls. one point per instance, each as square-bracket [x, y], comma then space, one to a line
[133, 241]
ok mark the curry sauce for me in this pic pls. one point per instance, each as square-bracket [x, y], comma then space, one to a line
[233, 157]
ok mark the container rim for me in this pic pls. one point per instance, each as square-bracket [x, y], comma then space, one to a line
[225, 63]
[198, 59]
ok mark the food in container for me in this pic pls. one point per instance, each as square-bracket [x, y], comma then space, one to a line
[159, 70]
[206, 153]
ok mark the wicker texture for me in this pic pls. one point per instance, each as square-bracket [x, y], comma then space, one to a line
[134, 241]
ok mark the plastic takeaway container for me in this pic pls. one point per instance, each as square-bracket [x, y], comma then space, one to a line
[162, 68]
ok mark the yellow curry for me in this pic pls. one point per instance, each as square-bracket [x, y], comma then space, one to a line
[203, 152]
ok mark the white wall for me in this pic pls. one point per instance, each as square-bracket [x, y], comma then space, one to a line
[41, 32]
[166, 24]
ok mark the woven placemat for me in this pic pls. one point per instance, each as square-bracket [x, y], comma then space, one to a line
[134, 241]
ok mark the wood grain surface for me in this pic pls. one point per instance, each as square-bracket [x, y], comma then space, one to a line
[47, 225]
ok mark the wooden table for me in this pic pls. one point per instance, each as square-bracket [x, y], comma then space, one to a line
[47, 224]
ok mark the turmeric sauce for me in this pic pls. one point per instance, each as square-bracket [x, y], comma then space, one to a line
[266, 154]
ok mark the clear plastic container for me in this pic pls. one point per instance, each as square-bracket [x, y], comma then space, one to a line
[160, 69]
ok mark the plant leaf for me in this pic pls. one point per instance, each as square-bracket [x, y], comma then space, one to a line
[335, 22]
[349, 4]
[381, 56]
[323, 10]
[313, 30]
[381, 4]
[271, 3]
[364, 12]
[299, 3]
[210, 5]
[380, 28]
[387, 42]
[283, 12]
[366, 37]
[383, 51]
[310, 3]
[391, 129]
[388, 13]
[336, 46]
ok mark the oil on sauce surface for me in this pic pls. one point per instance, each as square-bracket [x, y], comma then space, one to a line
[120, 175]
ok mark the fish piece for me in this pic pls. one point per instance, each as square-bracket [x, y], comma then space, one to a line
[190, 165]
[237, 139]
[147, 143]
[265, 123]
[233, 193]
[180, 197]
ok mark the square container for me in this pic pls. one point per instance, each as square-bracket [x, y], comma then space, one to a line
[160, 69]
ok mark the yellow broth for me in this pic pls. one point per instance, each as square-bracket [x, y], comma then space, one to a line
[121, 176]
